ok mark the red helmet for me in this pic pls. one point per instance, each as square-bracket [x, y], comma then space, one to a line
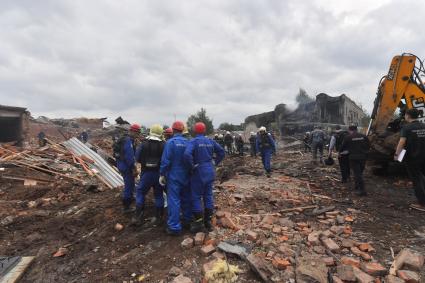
[168, 131]
[178, 126]
[199, 128]
[135, 128]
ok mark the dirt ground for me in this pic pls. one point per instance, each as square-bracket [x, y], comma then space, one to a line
[46, 218]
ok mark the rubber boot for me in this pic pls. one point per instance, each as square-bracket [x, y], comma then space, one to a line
[207, 220]
[159, 216]
[126, 206]
[137, 219]
[197, 224]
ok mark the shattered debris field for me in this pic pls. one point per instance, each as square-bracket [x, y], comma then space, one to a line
[297, 225]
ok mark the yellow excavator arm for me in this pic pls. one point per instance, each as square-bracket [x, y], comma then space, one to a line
[401, 88]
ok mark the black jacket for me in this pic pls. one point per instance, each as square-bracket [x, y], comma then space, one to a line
[357, 146]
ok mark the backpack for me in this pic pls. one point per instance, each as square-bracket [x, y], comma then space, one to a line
[265, 141]
[150, 157]
[318, 136]
[118, 148]
[339, 138]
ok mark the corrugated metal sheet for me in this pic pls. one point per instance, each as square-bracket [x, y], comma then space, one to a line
[106, 172]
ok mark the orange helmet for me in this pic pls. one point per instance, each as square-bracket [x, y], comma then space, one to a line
[135, 128]
[178, 126]
[199, 128]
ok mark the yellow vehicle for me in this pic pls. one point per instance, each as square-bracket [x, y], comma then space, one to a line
[401, 89]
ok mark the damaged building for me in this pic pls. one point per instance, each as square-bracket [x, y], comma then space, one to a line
[326, 111]
[14, 124]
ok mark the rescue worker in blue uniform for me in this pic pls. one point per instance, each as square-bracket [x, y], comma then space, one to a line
[175, 174]
[266, 147]
[124, 155]
[149, 154]
[201, 155]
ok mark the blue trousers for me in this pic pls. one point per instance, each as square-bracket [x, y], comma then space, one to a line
[149, 179]
[127, 194]
[177, 198]
[266, 155]
[202, 189]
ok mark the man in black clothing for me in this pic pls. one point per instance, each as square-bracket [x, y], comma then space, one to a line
[357, 146]
[228, 141]
[412, 139]
[343, 160]
[239, 144]
[252, 140]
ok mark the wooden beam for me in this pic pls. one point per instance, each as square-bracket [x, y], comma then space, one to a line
[17, 272]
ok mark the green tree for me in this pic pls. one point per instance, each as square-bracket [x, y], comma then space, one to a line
[200, 116]
[303, 97]
[230, 127]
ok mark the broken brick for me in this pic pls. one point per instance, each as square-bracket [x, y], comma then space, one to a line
[350, 261]
[358, 252]
[346, 273]
[319, 250]
[330, 245]
[348, 230]
[374, 269]
[362, 277]
[393, 279]
[208, 266]
[286, 250]
[347, 243]
[408, 276]
[283, 238]
[199, 238]
[187, 243]
[218, 255]
[252, 236]
[280, 263]
[227, 222]
[337, 229]
[366, 247]
[313, 238]
[207, 250]
[268, 219]
[412, 260]
[270, 254]
[276, 230]
[221, 213]
[181, 279]
[329, 261]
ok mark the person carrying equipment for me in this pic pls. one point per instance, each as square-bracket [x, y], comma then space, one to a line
[149, 154]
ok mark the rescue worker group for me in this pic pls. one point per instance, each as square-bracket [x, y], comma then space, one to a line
[181, 169]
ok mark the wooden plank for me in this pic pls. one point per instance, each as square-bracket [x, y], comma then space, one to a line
[17, 272]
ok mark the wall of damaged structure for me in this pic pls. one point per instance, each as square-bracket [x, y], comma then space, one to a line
[14, 124]
[326, 111]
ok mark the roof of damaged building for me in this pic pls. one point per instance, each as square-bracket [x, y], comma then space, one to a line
[12, 108]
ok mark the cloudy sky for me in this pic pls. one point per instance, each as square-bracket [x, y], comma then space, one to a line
[151, 60]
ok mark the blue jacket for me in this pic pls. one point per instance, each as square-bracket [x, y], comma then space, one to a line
[199, 155]
[269, 143]
[127, 163]
[172, 163]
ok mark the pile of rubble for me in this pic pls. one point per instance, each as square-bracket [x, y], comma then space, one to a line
[70, 161]
[286, 233]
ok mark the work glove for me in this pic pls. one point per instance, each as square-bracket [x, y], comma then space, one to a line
[135, 172]
[162, 181]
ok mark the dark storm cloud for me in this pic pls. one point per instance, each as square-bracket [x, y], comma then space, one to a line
[152, 60]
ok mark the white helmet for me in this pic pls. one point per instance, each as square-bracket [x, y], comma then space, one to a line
[252, 134]
[262, 129]
[220, 136]
[227, 133]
